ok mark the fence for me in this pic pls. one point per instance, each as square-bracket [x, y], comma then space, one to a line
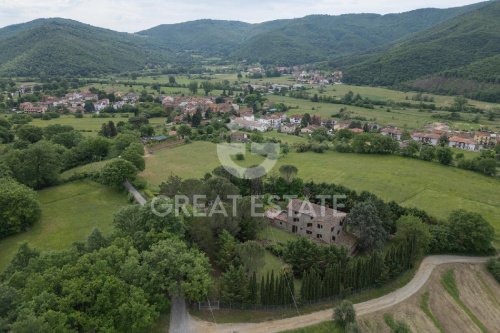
[217, 305]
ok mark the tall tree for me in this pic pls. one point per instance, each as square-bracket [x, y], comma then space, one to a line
[365, 222]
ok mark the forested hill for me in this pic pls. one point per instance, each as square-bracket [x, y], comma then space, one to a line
[319, 37]
[466, 48]
[298, 41]
[66, 47]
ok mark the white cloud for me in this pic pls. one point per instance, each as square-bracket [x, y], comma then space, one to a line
[135, 15]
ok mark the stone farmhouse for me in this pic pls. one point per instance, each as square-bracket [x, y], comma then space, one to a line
[319, 223]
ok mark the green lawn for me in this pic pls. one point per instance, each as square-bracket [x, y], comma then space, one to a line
[88, 125]
[275, 235]
[429, 186]
[91, 167]
[69, 213]
[404, 118]
[285, 138]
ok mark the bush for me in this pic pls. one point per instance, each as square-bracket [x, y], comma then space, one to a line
[344, 314]
[19, 207]
[116, 172]
[494, 267]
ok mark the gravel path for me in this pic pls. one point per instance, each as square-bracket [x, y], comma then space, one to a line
[137, 196]
[393, 298]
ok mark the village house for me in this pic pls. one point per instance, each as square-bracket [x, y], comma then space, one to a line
[251, 125]
[101, 105]
[273, 120]
[392, 132]
[309, 129]
[485, 139]
[330, 123]
[426, 138]
[30, 108]
[462, 143]
[321, 224]
[239, 137]
[288, 128]
[296, 119]
[190, 105]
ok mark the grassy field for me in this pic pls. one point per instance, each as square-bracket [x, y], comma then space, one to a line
[91, 167]
[429, 186]
[88, 125]
[404, 118]
[69, 213]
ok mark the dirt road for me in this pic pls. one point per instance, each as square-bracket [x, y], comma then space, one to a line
[393, 298]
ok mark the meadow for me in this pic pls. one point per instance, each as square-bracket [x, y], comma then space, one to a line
[88, 125]
[69, 214]
[430, 186]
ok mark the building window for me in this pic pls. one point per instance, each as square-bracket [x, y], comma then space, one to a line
[312, 217]
[309, 232]
[309, 225]
[338, 232]
[281, 223]
[319, 236]
[320, 226]
[333, 238]
[295, 219]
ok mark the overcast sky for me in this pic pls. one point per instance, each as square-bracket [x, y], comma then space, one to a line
[135, 15]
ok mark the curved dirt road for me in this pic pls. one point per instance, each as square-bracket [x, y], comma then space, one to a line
[393, 298]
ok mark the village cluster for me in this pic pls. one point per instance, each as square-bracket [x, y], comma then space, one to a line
[302, 75]
[76, 102]
[245, 119]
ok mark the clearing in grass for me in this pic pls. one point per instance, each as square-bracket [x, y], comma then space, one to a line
[69, 214]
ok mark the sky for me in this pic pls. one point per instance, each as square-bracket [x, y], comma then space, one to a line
[136, 15]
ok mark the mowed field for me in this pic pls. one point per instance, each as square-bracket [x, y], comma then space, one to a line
[69, 214]
[429, 186]
[404, 118]
[474, 309]
[89, 125]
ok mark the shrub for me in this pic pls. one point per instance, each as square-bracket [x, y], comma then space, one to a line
[19, 207]
[494, 267]
[344, 314]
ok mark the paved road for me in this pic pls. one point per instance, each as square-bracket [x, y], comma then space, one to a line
[137, 196]
[391, 299]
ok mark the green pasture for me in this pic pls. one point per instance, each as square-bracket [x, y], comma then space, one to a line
[69, 214]
[427, 185]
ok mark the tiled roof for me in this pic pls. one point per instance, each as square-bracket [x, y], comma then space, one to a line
[320, 213]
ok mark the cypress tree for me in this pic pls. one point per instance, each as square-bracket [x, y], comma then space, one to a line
[262, 291]
[252, 289]
[272, 289]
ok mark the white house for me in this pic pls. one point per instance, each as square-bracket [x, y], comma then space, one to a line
[428, 138]
[251, 125]
[296, 119]
[462, 143]
[392, 132]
